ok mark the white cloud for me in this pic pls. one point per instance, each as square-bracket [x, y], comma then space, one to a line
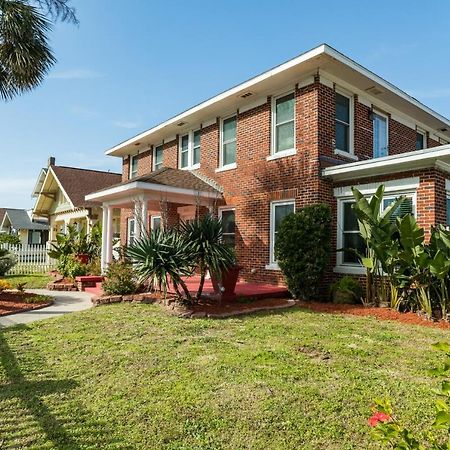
[129, 124]
[76, 74]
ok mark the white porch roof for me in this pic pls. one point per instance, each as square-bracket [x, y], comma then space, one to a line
[419, 159]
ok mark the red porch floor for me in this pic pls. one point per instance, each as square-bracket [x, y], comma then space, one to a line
[243, 289]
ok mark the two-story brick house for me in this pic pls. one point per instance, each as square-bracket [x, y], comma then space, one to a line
[301, 133]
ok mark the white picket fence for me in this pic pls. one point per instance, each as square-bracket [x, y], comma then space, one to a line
[31, 259]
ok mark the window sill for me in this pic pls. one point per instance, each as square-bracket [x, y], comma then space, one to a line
[351, 270]
[227, 167]
[282, 154]
[194, 167]
[346, 155]
[272, 266]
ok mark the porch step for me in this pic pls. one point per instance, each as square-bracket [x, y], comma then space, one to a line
[95, 290]
[87, 281]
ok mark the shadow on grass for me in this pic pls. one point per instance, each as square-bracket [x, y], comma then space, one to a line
[26, 414]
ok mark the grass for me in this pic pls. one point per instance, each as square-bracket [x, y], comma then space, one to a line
[130, 377]
[35, 281]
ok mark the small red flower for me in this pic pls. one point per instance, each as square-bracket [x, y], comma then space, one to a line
[378, 417]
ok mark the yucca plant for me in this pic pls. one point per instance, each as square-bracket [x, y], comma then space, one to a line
[163, 257]
[206, 247]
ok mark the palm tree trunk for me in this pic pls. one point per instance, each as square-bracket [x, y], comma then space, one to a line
[186, 291]
[202, 280]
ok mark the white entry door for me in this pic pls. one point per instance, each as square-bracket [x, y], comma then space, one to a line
[380, 135]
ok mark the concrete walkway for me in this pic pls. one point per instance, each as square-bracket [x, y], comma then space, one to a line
[64, 303]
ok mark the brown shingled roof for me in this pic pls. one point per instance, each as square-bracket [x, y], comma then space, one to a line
[79, 182]
[167, 176]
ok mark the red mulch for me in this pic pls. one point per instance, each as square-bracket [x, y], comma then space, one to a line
[233, 306]
[14, 302]
[379, 313]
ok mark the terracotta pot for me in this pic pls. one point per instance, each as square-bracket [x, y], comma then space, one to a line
[83, 258]
[227, 282]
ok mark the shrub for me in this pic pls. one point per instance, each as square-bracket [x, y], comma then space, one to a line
[346, 285]
[4, 285]
[6, 238]
[120, 279]
[303, 249]
[70, 267]
[94, 267]
[7, 261]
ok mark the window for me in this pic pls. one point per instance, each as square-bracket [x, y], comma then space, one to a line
[421, 140]
[279, 210]
[228, 142]
[283, 124]
[155, 222]
[190, 150]
[158, 157]
[448, 210]
[131, 231]
[406, 207]
[343, 125]
[227, 216]
[380, 135]
[133, 166]
[34, 237]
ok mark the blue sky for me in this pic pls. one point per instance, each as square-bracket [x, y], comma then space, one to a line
[130, 65]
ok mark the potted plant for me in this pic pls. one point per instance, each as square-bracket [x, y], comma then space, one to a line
[225, 283]
[346, 290]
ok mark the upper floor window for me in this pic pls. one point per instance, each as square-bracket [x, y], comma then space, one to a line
[283, 123]
[228, 142]
[380, 135]
[158, 157]
[421, 139]
[190, 150]
[133, 166]
[343, 123]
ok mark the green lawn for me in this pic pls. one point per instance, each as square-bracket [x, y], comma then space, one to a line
[35, 281]
[130, 377]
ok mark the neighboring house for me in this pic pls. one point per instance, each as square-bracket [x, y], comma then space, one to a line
[19, 222]
[304, 132]
[60, 196]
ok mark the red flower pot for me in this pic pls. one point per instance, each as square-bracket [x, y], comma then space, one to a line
[83, 258]
[226, 285]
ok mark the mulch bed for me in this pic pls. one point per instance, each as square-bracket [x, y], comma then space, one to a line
[379, 313]
[15, 302]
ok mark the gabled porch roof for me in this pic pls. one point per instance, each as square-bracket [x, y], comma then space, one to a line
[438, 157]
[173, 185]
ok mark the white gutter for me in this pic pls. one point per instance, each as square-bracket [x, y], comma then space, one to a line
[436, 156]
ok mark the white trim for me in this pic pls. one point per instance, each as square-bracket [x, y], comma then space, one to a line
[220, 211]
[272, 266]
[225, 168]
[130, 168]
[190, 150]
[447, 186]
[347, 155]
[423, 133]
[351, 124]
[154, 156]
[221, 143]
[273, 205]
[403, 121]
[391, 186]
[364, 101]
[383, 115]
[129, 236]
[254, 104]
[306, 82]
[171, 138]
[326, 82]
[273, 126]
[282, 154]
[208, 123]
[152, 220]
[324, 50]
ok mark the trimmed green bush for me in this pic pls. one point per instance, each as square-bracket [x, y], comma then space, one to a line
[7, 261]
[303, 248]
[120, 279]
[70, 267]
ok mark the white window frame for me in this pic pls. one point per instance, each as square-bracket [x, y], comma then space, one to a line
[273, 136]
[190, 150]
[129, 235]
[355, 268]
[133, 174]
[228, 208]
[351, 126]
[152, 221]
[381, 114]
[273, 265]
[231, 165]
[424, 134]
[154, 156]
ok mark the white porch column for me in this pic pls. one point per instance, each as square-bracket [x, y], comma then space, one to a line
[104, 237]
[109, 234]
[144, 217]
[140, 215]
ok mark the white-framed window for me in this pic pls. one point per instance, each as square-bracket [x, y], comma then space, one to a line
[189, 155]
[227, 216]
[278, 211]
[348, 235]
[131, 231]
[158, 156]
[344, 123]
[228, 128]
[380, 134]
[421, 139]
[133, 166]
[283, 124]
[155, 222]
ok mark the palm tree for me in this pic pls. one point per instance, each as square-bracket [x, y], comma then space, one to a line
[25, 54]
